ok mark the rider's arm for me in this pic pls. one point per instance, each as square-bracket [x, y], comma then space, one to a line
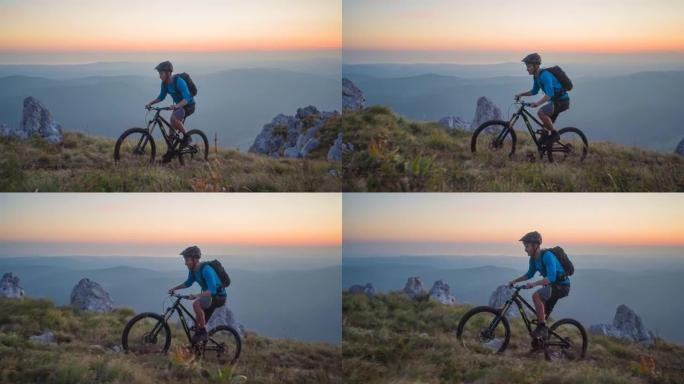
[551, 271]
[541, 101]
[184, 91]
[211, 279]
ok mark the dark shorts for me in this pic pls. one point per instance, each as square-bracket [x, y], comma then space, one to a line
[554, 108]
[209, 304]
[182, 113]
[550, 295]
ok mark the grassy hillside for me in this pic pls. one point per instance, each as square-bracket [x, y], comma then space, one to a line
[392, 339]
[84, 354]
[395, 154]
[85, 163]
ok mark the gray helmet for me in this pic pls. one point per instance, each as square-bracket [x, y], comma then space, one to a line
[193, 252]
[532, 58]
[164, 66]
[532, 237]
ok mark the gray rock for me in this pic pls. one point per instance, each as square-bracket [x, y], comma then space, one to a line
[291, 152]
[37, 121]
[309, 111]
[224, 316]
[626, 325]
[309, 146]
[442, 293]
[335, 151]
[486, 110]
[414, 287]
[498, 299]
[352, 97]
[47, 337]
[680, 148]
[453, 122]
[90, 296]
[368, 289]
[9, 286]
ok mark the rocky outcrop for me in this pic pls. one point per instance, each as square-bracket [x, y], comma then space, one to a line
[414, 287]
[47, 337]
[224, 316]
[9, 286]
[352, 96]
[338, 148]
[292, 136]
[368, 289]
[442, 293]
[36, 121]
[453, 122]
[90, 296]
[626, 325]
[486, 110]
[680, 148]
[499, 296]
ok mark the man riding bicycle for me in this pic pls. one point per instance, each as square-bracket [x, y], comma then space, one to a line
[556, 284]
[183, 102]
[213, 293]
[557, 97]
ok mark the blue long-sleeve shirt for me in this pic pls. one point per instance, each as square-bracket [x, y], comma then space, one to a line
[177, 94]
[207, 278]
[553, 267]
[547, 82]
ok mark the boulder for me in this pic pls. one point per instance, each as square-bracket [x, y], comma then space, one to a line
[368, 289]
[486, 110]
[453, 122]
[352, 97]
[414, 287]
[90, 296]
[224, 316]
[498, 298]
[680, 148]
[442, 293]
[36, 121]
[626, 325]
[47, 337]
[9, 286]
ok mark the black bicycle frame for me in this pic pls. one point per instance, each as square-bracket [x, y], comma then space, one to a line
[526, 116]
[161, 122]
[178, 307]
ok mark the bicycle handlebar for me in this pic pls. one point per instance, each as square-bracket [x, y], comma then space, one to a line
[159, 108]
[186, 297]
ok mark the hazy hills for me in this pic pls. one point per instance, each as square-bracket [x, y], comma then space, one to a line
[235, 103]
[302, 304]
[639, 109]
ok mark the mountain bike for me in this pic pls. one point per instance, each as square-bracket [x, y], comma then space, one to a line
[150, 333]
[499, 136]
[136, 145]
[486, 330]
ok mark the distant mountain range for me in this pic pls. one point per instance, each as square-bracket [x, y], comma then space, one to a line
[302, 304]
[235, 103]
[637, 109]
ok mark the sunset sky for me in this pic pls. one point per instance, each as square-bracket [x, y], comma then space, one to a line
[168, 25]
[106, 223]
[578, 26]
[414, 223]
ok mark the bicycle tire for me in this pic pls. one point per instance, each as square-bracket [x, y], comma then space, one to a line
[549, 353]
[235, 338]
[144, 139]
[494, 127]
[160, 319]
[565, 144]
[202, 146]
[484, 309]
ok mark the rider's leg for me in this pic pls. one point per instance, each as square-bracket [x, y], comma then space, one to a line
[545, 114]
[177, 120]
[539, 306]
[199, 313]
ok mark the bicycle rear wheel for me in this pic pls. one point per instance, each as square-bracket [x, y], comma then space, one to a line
[224, 345]
[146, 333]
[571, 147]
[567, 341]
[135, 147]
[483, 330]
[494, 137]
[198, 150]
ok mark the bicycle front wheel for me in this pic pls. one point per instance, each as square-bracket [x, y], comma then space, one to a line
[571, 147]
[567, 341]
[224, 345]
[135, 146]
[484, 330]
[198, 150]
[146, 333]
[493, 137]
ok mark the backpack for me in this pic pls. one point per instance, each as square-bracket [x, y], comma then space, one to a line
[191, 84]
[220, 271]
[563, 259]
[562, 77]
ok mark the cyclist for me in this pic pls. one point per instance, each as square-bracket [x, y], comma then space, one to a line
[183, 102]
[558, 99]
[213, 294]
[555, 283]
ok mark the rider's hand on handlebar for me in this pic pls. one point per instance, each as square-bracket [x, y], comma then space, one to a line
[148, 106]
[171, 291]
[516, 97]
